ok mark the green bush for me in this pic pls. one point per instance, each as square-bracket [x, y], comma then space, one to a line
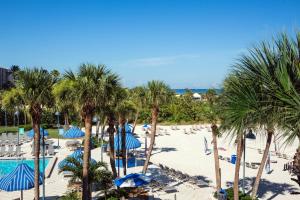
[112, 198]
[26, 127]
[230, 195]
[71, 195]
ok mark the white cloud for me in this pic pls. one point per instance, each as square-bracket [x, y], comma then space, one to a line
[160, 61]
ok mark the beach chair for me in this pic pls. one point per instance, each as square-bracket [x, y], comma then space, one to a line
[177, 128]
[2, 151]
[184, 131]
[284, 156]
[279, 155]
[18, 151]
[260, 151]
[253, 166]
[248, 165]
[51, 150]
[228, 159]
[10, 150]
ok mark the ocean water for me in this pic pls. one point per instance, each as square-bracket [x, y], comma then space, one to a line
[200, 91]
[7, 166]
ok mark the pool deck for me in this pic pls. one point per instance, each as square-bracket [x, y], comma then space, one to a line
[56, 184]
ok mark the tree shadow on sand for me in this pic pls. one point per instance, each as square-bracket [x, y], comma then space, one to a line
[163, 149]
[266, 186]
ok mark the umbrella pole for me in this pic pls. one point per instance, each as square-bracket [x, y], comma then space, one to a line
[21, 194]
[43, 165]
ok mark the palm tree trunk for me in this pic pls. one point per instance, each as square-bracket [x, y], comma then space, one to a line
[216, 156]
[86, 192]
[123, 144]
[262, 164]
[25, 118]
[111, 131]
[239, 152]
[153, 133]
[66, 117]
[135, 120]
[36, 128]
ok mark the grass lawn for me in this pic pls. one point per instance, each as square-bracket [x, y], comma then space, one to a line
[53, 132]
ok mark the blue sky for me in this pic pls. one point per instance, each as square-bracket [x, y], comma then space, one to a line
[188, 44]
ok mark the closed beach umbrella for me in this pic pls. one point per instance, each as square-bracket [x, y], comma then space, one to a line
[42, 131]
[21, 178]
[132, 180]
[73, 132]
[205, 145]
[131, 142]
[78, 154]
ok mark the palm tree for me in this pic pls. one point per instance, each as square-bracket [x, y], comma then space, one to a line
[123, 109]
[256, 73]
[63, 94]
[98, 172]
[92, 90]
[212, 116]
[138, 97]
[36, 85]
[158, 93]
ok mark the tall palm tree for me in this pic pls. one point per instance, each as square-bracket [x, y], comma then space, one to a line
[92, 88]
[239, 105]
[63, 94]
[123, 109]
[212, 116]
[36, 85]
[158, 93]
[138, 97]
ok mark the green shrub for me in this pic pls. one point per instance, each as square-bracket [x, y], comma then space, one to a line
[71, 195]
[230, 195]
[112, 198]
[26, 127]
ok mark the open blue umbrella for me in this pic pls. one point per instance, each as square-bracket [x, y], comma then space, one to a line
[21, 178]
[78, 155]
[131, 142]
[42, 131]
[73, 132]
[132, 180]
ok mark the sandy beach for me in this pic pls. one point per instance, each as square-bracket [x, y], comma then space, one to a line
[185, 152]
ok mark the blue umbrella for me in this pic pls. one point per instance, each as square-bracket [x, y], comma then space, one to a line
[146, 126]
[78, 155]
[128, 128]
[131, 142]
[42, 131]
[132, 180]
[21, 178]
[73, 132]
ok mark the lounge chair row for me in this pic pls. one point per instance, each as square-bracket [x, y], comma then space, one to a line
[249, 165]
[174, 128]
[11, 151]
[48, 151]
[13, 138]
[183, 177]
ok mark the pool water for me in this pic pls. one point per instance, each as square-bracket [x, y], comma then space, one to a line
[7, 166]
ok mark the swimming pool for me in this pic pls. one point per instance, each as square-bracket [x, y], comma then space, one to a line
[7, 166]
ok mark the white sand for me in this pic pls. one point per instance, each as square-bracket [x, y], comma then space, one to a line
[186, 153]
